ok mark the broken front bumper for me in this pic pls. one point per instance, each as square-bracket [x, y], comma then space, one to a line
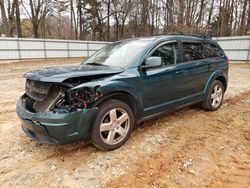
[54, 128]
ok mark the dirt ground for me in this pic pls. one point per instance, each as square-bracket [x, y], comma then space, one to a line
[187, 148]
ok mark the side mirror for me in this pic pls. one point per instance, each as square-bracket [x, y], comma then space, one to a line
[151, 62]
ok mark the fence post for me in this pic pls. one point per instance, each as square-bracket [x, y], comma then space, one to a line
[45, 49]
[68, 48]
[248, 54]
[88, 48]
[18, 49]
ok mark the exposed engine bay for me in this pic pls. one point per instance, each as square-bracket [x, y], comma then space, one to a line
[58, 98]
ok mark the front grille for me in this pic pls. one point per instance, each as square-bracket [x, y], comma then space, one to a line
[37, 90]
[54, 95]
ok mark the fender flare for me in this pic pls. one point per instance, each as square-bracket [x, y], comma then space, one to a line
[213, 77]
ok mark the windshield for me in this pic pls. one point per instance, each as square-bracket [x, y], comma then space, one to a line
[119, 54]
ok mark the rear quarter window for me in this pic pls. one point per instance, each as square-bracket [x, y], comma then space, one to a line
[213, 50]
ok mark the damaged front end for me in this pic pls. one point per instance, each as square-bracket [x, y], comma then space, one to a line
[56, 113]
[47, 97]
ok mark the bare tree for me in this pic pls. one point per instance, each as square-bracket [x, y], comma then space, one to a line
[117, 19]
[39, 10]
[8, 16]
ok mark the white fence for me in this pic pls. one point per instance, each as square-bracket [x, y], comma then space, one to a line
[19, 49]
[236, 48]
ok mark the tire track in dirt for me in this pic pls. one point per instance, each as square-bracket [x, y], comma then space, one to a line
[198, 159]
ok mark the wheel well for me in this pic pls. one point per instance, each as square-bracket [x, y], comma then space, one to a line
[125, 97]
[223, 81]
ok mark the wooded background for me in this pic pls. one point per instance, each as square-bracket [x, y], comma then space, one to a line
[110, 20]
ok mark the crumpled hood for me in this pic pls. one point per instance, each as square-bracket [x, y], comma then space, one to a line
[59, 74]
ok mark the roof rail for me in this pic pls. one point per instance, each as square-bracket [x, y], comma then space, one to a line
[157, 34]
[188, 34]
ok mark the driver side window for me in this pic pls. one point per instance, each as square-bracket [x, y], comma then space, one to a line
[168, 53]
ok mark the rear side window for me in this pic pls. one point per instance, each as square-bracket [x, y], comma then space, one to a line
[213, 50]
[193, 51]
[168, 53]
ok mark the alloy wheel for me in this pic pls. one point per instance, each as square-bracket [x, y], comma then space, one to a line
[216, 96]
[114, 126]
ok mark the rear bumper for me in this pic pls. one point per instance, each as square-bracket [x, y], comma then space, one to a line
[54, 128]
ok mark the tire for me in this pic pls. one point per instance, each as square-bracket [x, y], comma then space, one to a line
[112, 125]
[214, 97]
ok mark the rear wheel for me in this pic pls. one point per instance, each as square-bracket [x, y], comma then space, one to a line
[214, 97]
[112, 125]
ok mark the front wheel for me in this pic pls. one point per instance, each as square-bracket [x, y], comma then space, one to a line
[214, 97]
[112, 125]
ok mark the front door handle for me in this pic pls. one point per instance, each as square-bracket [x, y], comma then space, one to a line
[180, 72]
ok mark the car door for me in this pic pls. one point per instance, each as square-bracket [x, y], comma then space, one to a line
[196, 63]
[160, 85]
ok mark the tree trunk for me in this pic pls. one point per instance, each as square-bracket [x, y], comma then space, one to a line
[200, 13]
[231, 17]
[153, 5]
[116, 27]
[243, 16]
[18, 21]
[108, 21]
[170, 15]
[4, 18]
[236, 16]
[75, 21]
[34, 19]
[165, 20]
[248, 20]
[210, 14]
[144, 18]
[71, 19]
[181, 11]
[79, 7]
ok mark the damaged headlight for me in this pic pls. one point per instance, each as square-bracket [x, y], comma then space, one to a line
[82, 97]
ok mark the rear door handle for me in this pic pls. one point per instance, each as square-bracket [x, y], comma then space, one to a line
[199, 64]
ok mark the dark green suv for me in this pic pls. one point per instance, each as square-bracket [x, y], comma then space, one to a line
[123, 84]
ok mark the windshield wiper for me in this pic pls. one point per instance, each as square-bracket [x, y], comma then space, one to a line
[96, 64]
